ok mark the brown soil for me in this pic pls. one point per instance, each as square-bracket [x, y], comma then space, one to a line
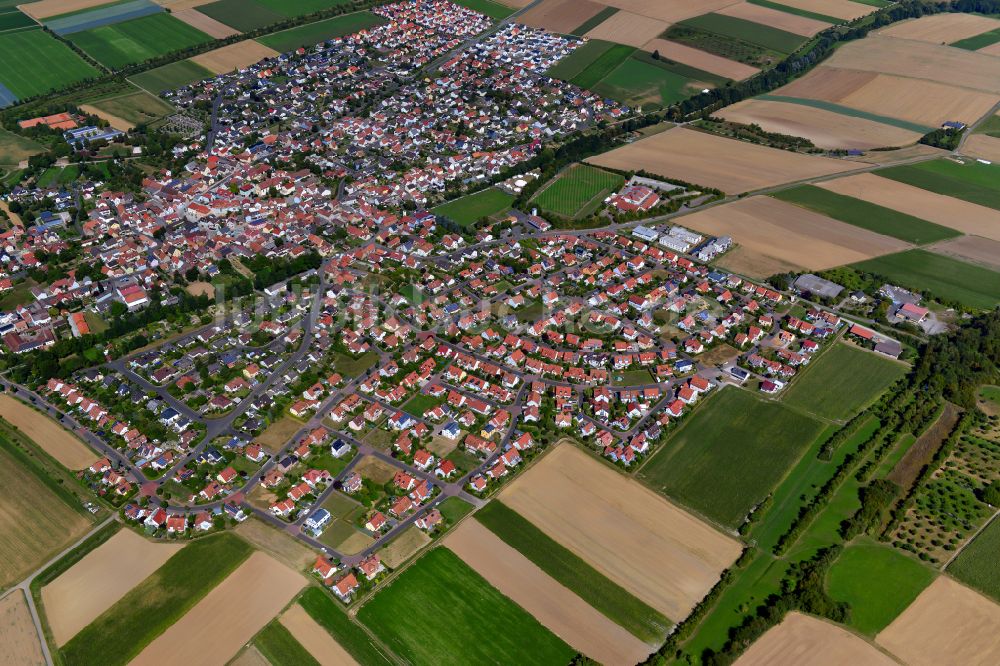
[974, 249]
[982, 146]
[206, 24]
[701, 59]
[314, 638]
[799, 25]
[803, 640]
[628, 28]
[560, 15]
[908, 468]
[234, 56]
[670, 11]
[47, 8]
[18, 633]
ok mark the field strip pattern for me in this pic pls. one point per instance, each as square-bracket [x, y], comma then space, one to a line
[102, 16]
[314, 638]
[825, 643]
[848, 111]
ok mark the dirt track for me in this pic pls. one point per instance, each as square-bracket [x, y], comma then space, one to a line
[558, 608]
[802, 640]
[46, 433]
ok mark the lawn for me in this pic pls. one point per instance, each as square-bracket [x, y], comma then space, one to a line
[640, 83]
[138, 40]
[990, 126]
[570, 570]
[972, 181]
[280, 648]
[467, 211]
[350, 367]
[244, 15]
[314, 33]
[35, 62]
[454, 509]
[440, 611]
[171, 77]
[977, 564]
[866, 215]
[842, 381]
[730, 454]
[14, 148]
[633, 378]
[878, 582]
[605, 63]
[420, 403]
[577, 191]
[147, 610]
[492, 9]
[944, 277]
[138, 108]
[330, 614]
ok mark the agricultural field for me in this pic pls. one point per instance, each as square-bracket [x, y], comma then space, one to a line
[98, 580]
[569, 570]
[576, 62]
[866, 215]
[555, 606]
[170, 77]
[734, 38]
[944, 277]
[36, 62]
[138, 40]
[151, 607]
[561, 15]
[12, 19]
[660, 554]
[330, 615]
[15, 148]
[55, 440]
[982, 146]
[824, 642]
[126, 111]
[243, 15]
[764, 226]
[942, 28]
[624, 27]
[492, 9]
[969, 180]
[782, 17]
[708, 160]
[973, 249]
[948, 623]
[49, 8]
[730, 454]
[233, 56]
[469, 210]
[988, 400]
[842, 382]
[603, 64]
[278, 647]
[977, 565]
[209, 632]
[312, 637]
[987, 42]
[649, 83]
[314, 33]
[453, 599]
[404, 546]
[20, 639]
[878, 582]
[701, 60]
[578, 191]
[941, 209]
[206, 24]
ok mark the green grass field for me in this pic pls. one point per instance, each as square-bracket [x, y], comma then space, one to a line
[643, 83]
[990, 126]
[301, 7]
[14, 20]
[314, 33]
[796, 10]
[583, 57]
[467, 211]
[730, 454]
[440, 611]
[605, 63]
[14, 148]
[492, 9]
[866, 215]
[594, 21]
[122, 631]
[454, 509]
[756, 33]
[137, 40]
[171, 77]
[577, 191]
[244, 15]
[606, 596]
[977, 565]
[972, 181]
[35, 62]
[944, 277]
[137, 108]
[280, 648]
[847, 111]
[878, 582]
[841, 382]
[323, 608]
[979, 41]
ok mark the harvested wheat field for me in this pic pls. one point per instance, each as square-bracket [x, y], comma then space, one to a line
[842, 9]
[250, 656]
[920, 60]
[314, 638]
[830, 84]
[670, 11]
[942, 28]
[973, 249]
[714, 161]
[55, 440]
[924, 102]
[773, 228]
[969, 218]
[47, 8]
[888, 157]
[992, 49]
[947, 624]
[803, 640]
[234, 56]
[983, 146]
[174, 5]
[565, 614]
[102, 577]
[702, 60]
[17, 633]
[628, 28]
[742, 261]
[658, 552]
[516, 4]
[404, 546]
[826, 129]
[113, 120]
[560, 15]
[773, 18]
[206, 24]
[227, 617]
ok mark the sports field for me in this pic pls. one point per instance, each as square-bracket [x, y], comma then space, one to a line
[878, 582]
[466, 211]
[944, 277]
[35, 62]
[450, 626]
[314, 33]
[171, 77]
[972, 181]
[137, 40]
[151, 607]
[977, 564]
[578, 191]
[841, 382]
[866, 215]
[730, 454]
